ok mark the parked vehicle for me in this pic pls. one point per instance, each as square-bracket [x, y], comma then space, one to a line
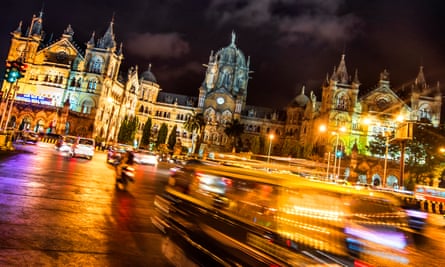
[29, 137]
[77, 146]
[145, 157]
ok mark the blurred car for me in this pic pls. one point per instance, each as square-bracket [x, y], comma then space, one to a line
[115, 152]
[77, 146]
[145, 157]
[30, 137]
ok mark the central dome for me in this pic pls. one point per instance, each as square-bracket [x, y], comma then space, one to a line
[148, 75]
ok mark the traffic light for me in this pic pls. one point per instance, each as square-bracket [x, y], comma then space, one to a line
[22, 69]
[14, 71]
[339, 154]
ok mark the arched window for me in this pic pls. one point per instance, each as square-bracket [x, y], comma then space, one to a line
[343, 102]
[425, 113]
[96, 65]
[87, 106]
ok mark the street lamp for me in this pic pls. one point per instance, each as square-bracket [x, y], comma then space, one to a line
[386, 159]
[271, 136]
[342, 129]
[110, 102]
[335, 153]
[323, 129]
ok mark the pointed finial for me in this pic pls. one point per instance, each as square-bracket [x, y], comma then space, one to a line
[233, 38]
[19, 28]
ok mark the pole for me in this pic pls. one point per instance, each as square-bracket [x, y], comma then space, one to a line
[402, 163]
[10, 107]
[270, 147]
[327, 169]
[335, 156]
[6, 104]
[386, 162]
[339, 165]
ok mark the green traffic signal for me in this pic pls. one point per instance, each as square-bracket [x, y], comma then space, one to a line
[14, 71]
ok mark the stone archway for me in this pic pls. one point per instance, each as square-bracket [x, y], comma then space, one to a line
[392, 181]
[376, 180]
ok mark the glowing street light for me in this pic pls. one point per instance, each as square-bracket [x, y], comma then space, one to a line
[386, 158]
[323, 129]
[271, 136]
[110, 102]
[338, 153]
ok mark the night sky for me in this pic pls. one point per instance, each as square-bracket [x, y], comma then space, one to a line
[291, 42]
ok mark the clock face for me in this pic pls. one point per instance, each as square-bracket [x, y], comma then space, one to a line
[220, 100]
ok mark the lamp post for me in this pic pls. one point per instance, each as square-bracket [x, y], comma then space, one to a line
[335, 154]
[386, 159]
[271, 136]
[323, 129]
[342, 129]
[110, 102]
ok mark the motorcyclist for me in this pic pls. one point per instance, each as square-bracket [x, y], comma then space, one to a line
[127, 159]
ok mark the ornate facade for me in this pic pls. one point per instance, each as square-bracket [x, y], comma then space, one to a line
[78, 91]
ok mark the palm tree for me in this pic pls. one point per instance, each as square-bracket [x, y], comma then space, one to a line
[234, 130]
[196, 123]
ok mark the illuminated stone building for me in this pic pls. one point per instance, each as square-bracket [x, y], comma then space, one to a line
[82, 91]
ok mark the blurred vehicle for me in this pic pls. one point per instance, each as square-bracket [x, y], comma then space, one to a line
[77, 146]
[280, 214]
[165, 157]
[145, 157]
[29, 137]
[114, 152]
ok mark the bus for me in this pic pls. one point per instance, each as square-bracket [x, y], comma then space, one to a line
[279, 218]
[423, 192]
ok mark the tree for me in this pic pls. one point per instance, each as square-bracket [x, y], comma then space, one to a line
[423, 153]
[172, 138]
[195, 123]
[234, 130]
[127, 130]
[377, 147]
[162, 135]
[146, 134]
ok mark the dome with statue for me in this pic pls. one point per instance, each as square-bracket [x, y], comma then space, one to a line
[231, 54]
[301, 100]
[148, 75]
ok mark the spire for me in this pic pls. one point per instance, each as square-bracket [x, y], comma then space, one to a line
[68, 32]
[334, 76]
[19, 28]
[302, 90]
[342, 73]
[420, 80]
[119, 51]
[91, 41]
[384, 75]
[36, 25]
[233, 38]
[356, 80]
[107, 41]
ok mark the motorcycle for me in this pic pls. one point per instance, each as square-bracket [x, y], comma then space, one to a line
[127, 176]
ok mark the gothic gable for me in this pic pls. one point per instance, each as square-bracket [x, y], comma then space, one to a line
[60, 52]
[382, 100]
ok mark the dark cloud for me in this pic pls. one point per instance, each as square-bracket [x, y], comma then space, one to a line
[164, 46]
[296, 21]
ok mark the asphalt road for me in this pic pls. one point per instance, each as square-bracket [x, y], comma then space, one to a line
[59, 212]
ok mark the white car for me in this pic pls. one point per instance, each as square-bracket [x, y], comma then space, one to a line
[78, 146]
[145, 157]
